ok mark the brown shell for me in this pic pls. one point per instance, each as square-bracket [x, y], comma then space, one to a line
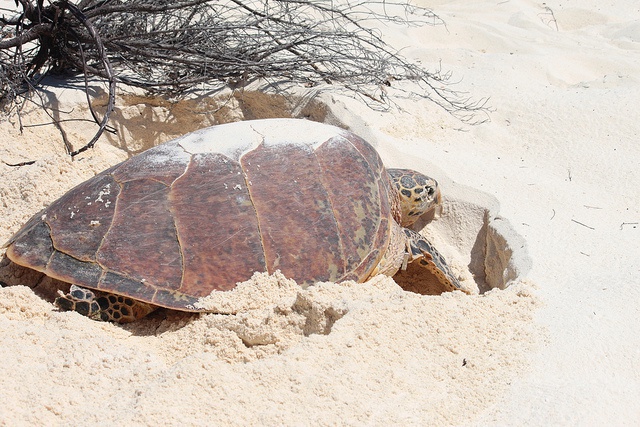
[205, 211]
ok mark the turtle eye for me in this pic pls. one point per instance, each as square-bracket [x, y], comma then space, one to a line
[430, 191]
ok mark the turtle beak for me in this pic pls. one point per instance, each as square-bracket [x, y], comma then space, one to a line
[438, 205]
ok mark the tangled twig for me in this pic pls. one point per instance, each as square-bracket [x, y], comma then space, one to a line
[169, 47]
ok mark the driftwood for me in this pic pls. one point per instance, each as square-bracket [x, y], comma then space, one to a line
[169, 47]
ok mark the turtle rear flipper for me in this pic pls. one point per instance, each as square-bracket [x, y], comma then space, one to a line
[106, 306]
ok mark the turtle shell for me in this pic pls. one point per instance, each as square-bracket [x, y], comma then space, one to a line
[207, 210]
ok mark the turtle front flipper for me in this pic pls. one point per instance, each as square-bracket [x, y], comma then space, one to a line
[105, 306]
[421, 251]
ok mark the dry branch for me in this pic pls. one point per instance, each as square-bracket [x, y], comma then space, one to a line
[168, 47]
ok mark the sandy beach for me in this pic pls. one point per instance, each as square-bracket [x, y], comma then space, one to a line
[540, 219]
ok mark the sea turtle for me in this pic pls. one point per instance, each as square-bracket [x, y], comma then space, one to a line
[208, 209]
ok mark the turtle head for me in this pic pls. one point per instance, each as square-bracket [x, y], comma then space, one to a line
[418, 194]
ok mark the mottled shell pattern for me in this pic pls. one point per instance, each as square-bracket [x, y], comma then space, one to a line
[207, 210]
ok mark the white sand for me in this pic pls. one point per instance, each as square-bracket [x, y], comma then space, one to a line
[561, 345]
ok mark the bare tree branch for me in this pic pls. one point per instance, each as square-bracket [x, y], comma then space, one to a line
[108, 71]
[167, 47]
[32, 34]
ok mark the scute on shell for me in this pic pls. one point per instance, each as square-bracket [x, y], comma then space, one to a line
[207, 210]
